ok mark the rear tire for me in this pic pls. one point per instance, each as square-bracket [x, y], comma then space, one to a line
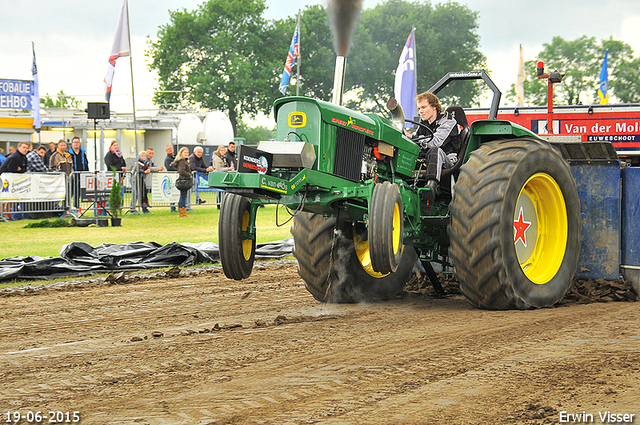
[334, 271]
[515, 226]
[237, 250]
[386, 225]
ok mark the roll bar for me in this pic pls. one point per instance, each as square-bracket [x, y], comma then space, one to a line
[472, 75]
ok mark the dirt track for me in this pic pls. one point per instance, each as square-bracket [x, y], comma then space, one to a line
[204, 349]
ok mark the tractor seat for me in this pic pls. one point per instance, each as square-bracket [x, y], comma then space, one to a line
[457, 113]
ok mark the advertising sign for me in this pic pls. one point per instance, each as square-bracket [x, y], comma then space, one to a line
[90, 191]
[252, 160]
[32, 187]
[16, 94]
[163, 189]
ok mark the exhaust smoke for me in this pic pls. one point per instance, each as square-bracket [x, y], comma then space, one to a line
[343, 16]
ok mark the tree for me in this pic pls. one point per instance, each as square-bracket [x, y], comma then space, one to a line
[317, 56]
[253, 135]
[220, 56]
[446, 41]
[626, 81]
[60, 100]
[224, 55]
[581, 61]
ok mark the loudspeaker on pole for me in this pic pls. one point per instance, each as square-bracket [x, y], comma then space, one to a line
[98, 111]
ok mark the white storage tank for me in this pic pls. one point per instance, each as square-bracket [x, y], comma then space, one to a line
[217, 129]
[189, 128]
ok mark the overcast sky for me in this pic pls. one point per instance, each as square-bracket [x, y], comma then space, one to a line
[73, 38]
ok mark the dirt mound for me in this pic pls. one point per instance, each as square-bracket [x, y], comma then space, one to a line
[599, 290]
[422, 286]
[581, 292]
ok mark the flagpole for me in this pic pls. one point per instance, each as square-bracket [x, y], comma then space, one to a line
[298, 68]
[415, 63]
[133, 93]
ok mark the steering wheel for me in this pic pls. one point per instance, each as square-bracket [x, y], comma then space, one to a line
[427, 137]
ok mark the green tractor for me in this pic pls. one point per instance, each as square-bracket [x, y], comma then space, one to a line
[507, 218]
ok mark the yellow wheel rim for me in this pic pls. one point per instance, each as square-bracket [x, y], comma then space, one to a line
[540, 228]
[397, 224]
[364, 256]
[247, 244]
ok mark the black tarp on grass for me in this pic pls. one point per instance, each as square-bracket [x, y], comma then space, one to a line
[81, 259]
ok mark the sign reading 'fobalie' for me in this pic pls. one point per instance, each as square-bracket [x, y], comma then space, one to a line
[16, 94]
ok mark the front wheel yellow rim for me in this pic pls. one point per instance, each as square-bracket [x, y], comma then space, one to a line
[247, 244]
[364, 256]
[397, 226]
[540, 228]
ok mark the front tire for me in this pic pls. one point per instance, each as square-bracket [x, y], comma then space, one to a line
[515, 226]
[237, 248]
[386, 225]
[334, 262]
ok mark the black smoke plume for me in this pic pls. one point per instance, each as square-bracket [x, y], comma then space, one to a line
[343, 16]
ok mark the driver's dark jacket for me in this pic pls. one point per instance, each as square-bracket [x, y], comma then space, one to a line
[446, 135]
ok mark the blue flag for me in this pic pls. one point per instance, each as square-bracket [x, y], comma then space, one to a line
[35, 100]
[294, 50]
[603, 89]
[405, 84]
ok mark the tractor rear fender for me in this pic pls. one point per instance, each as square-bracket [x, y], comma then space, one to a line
[484, 131]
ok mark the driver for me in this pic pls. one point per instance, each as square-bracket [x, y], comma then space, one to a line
[439, 141]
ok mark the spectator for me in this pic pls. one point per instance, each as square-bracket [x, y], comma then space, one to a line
[196, 162]
[181, 163]
[218, 160]
[61, 159]
[78, 156]
[80, 163]
[140, 169]
[114, 159]
[153, 169]
[169, 159]
[168, 164]
[2, 157]
[35, 160]
[12, 148]
[231, 155]
[152, 165]
[17, 161]
[47, 156]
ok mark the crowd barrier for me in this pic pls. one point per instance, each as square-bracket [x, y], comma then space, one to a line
[54, 194]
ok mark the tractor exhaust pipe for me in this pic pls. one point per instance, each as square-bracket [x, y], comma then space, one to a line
[397, 114]
[343, 16]
[338, 80]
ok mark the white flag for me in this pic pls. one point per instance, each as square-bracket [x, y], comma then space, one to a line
[35, 99]
[121, 46]
[520, 81]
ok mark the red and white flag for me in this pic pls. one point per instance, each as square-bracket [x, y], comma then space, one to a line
[121, 46]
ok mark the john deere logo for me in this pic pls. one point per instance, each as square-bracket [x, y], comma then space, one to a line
[297, 119]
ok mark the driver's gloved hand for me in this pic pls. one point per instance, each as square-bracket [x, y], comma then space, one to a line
[422, 141]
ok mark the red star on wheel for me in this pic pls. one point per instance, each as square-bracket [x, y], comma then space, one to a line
[521, 227]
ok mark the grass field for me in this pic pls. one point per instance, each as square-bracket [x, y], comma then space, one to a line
[162, 227]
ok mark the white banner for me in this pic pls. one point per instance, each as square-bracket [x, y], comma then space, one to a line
[32, 187]
[163, 188]
[88, 190]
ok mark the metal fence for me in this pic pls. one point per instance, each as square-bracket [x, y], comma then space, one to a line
[87, 193]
